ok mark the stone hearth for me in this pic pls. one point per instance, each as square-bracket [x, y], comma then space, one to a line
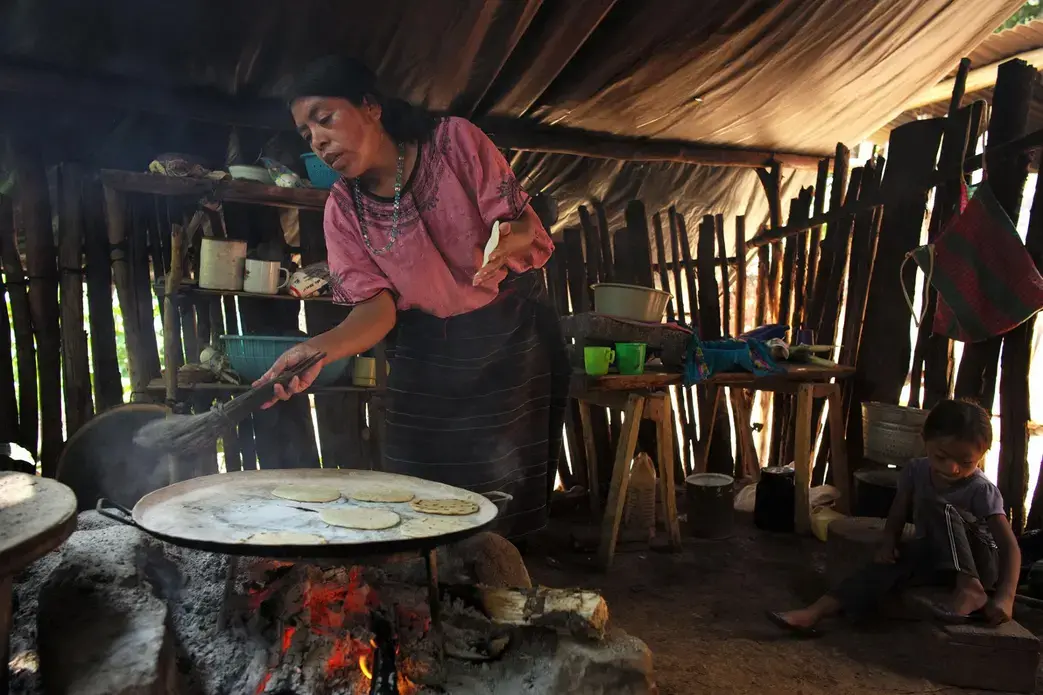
[115, 612]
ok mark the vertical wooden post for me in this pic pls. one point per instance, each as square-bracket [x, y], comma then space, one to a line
[605, 236]
[802, 459]
[108, 385]
[171, 344]
[41, 263]
[21, 319]
[1008, 171]
[78, 402]
[116, 223]
[815, 235]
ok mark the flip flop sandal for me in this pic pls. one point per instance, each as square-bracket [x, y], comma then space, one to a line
[949, 617]
[795, 630]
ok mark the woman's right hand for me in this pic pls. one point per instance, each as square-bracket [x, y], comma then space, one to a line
[301, 382]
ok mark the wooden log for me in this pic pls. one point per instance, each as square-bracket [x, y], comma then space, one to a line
[955, 141]
[21, 318]
[576, 272]
[576, 612]
[1013, 473]
[740, 276]
[763, 278]
[171, 342]
[8, 397]
[664, 276]
[1011, 105]
[605, 237]
[41, 264]
[883, 372]
[800, 260]
[717, 431]
[77, 376]
[682, 443]
[815, 234]
[591, 247]
[636, 237]
[116, 219]
[842, 193]
[108, 384]
[725, 288]
[141, 280]
[676, 244]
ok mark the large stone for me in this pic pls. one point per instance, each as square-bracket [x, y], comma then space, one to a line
[101, 628]
[1003, 658]
[619, 665]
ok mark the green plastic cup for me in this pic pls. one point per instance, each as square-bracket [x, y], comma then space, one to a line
[596, 360]
[630, 358]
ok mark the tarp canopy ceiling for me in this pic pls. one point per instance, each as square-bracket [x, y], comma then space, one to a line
[786, 75]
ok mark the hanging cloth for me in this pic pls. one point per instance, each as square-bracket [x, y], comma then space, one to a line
[986, 280]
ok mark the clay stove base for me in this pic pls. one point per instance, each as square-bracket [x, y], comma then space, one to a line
[113, 563]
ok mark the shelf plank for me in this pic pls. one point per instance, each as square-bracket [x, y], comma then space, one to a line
[228, 189]
[158, 385]
[193, 290]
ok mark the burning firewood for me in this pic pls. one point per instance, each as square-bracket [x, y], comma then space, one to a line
[575, 611]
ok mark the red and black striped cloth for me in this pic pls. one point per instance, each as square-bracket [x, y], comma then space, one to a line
[478, 400]
[986, 280]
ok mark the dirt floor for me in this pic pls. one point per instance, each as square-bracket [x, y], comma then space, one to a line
[702, 614]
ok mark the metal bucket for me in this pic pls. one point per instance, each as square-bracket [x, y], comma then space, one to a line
[892, 433]
[221, 263]
[630, 301]
[710, 498]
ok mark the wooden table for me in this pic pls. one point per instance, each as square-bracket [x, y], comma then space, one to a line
[634, 394]
[36, 516]
[637, 402]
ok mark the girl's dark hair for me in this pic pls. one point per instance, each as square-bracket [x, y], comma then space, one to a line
[965, 421]
[346, 78]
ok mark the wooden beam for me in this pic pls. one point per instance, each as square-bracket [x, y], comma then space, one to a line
[978, 78]
[271, 114]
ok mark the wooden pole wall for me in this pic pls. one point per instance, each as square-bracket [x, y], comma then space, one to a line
[79, 406]
[41, 264]
[22, 321]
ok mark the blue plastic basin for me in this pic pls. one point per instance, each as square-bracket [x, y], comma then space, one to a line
[319, 173]
[253, 355]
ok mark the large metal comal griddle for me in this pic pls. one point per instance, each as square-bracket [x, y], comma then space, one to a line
[220, 513]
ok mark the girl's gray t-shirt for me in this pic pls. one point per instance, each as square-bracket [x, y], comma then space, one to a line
[975, 497]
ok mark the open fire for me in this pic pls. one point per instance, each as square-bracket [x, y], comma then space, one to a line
[336, 617]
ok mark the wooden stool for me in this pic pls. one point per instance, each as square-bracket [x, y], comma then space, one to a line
[653, 406]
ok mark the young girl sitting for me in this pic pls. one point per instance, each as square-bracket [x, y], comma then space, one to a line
[963, 538]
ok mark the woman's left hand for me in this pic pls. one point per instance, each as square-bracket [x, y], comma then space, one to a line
[515, 240]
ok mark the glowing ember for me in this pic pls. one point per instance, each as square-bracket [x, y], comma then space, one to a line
[364, 666]
[287, 638]
[263, 684]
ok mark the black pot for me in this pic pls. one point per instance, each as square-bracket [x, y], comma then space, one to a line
[776, 499]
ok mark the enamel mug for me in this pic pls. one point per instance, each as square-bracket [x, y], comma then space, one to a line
[264, 277]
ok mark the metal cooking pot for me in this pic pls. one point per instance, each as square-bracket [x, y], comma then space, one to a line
[630, 301]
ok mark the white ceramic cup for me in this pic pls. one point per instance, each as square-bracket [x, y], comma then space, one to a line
[221, 264]
[264, 277]
[307, 283]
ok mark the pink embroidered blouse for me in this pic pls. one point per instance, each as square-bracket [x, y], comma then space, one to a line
[460, 185]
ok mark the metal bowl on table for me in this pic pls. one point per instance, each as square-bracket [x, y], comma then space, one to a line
[632, 302]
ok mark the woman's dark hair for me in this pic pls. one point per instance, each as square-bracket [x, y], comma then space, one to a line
[346, 78]
[965, 421]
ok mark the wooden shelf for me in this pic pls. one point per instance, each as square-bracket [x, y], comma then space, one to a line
[158, 385]
[792, 374]
[192, 289]
[228, 189]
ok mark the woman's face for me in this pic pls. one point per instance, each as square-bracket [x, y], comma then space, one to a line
[347, 137]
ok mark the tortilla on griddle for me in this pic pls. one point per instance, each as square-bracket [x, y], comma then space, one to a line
[362, 518]
[425, 527]
[444, 507]
[284, 538]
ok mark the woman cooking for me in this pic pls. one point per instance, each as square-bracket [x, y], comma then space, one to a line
[479, 376]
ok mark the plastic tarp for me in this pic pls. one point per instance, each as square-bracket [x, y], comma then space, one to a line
[789, 75]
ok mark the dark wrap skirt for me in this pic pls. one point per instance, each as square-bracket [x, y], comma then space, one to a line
[478, 400]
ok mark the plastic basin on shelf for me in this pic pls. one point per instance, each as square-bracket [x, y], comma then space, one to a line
[319, 173]
[252, 355]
